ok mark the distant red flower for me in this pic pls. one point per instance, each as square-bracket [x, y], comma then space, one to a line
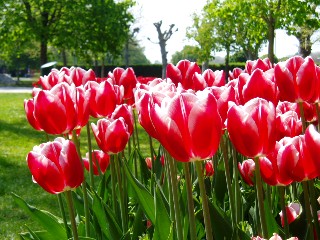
[209, 170]
[247, 169]
[99, 159]
[293, 211]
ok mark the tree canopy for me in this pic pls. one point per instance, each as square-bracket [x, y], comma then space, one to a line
[96, 27]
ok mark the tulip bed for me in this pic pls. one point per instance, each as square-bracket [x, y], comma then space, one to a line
[235, 159]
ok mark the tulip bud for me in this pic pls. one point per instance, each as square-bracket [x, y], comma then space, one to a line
[247, 169]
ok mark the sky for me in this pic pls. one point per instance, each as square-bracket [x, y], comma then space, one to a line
[179, 12]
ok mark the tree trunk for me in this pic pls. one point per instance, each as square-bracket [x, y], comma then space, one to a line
[271, 35]
[43, 52]
[102, 68]
[305, 44]
[205, 65]
[164, 58]
[227, 63]
[64, 57]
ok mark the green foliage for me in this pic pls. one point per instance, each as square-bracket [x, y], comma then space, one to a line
[190, 53]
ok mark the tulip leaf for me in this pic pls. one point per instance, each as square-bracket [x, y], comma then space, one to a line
[164, 226]
[138, 227]
[35, 235]
[106, 219]
[144, 197]
[221, 225]
[50, 222]
[271, 222]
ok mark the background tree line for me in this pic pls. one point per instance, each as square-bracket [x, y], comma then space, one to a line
[99, 32]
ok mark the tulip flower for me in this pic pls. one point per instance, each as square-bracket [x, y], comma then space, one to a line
[80, 76]
[183, 73]
[246, 169]
[209, 170]
[288, 125]
[188, 125]
[270, 168]
[59, 110]
[100, 161]
[262, 64]
[312, 145]
[260, 84]
[124, 111]
[297, 79]
[102, 98]
[214, 78]
[112, 136]
[125, 78]
[235, 73]
[251, 127]
[148, 161]
[293, 212]
[56, 166]
[295, 159]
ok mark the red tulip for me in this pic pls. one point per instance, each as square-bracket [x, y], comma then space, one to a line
[56, 166]
[124, 111]
[235, 73]
[288, 125]
[102, 98]
[209, 170]
[112, 136]
[187, 125]
[148, 161]
[252, 127]
[214, 78]
[297, 79]
[183, 73]
[247, 169]
[260, 84]
[125, 78]
[295, 160]
[59, 110]
[312, 145]
[270, 168]
[293, 212]
[80, 76]
[263, 64]
[99, 159]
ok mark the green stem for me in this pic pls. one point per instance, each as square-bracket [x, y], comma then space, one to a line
[205, 205]
[192, 221]
[113, 183]
[136, 129]
[122, 205]
[307, 206]
[314, 206]
[238, 199]
[90, 156]
[284, 211]
[228, 179]
[260, 198]
[174, 185]
[84, 188]
[72, 215]
[63, 213]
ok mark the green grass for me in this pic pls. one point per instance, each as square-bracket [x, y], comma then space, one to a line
[17, 138]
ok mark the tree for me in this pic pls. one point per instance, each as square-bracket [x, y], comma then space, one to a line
[83, 26]
[163, 38]
[190, 53]
[302, 21]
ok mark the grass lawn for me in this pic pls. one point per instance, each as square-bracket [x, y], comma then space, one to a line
[17, 138]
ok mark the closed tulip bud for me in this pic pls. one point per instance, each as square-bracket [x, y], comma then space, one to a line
[293, 212]
[56, 166]
[100, 160]
[247, 169]
[148, 161]
[209, 170]
[112, 136]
